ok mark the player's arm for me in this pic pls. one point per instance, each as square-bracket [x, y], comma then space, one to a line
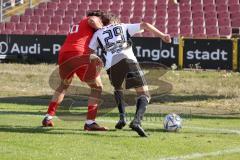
[146, 26]
[93, 47]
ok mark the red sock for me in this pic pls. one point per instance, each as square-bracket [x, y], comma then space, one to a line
[92, 112]
[52, 108]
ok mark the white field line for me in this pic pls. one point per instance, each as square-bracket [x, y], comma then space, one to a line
[201, 155]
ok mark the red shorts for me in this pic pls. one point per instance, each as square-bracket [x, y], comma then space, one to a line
[79, 64]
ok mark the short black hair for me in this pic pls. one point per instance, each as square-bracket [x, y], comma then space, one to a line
[97, 13]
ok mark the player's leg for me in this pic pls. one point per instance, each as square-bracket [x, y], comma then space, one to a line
[117, 75]
[57, 98]
[93, 103]
[91, 75]
[135, 79]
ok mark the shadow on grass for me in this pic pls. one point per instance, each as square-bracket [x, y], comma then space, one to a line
[60, 131]
[44, 100]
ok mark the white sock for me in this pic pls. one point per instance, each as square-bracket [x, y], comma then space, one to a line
[89, 122]
[49, 117]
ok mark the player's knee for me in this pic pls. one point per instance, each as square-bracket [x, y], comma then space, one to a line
[145, 97]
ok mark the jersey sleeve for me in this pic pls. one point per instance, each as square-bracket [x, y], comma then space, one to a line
[93, 43]
[133, 28]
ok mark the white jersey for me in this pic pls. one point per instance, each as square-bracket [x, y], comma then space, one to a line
[114, 40]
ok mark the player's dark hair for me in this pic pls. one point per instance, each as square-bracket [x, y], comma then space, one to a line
[97, 13]
[109, 18]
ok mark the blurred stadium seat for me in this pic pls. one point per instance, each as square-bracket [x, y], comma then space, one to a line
[192, 18]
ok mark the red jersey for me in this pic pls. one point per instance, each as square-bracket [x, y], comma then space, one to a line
[78, 38]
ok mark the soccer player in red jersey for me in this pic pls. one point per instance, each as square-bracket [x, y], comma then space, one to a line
[74, 58]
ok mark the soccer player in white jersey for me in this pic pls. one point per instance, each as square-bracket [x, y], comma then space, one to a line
[122, 65]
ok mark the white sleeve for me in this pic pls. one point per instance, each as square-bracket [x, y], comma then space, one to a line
[93, 43]
[133, 28]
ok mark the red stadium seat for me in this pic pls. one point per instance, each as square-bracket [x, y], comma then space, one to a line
[222, 8]
[49, 12]
[207, 2]
[6, 31]
[224, 22]
[198, 22]
[233, 2]
[53, 26]
[161, 14]
[125, 19]
[72, 6]
[184, 7]
[150, 20]
[77, 19]
[70, 13]
[60, 12]
[63, 32]
[173, 21]
[160, 21]
[198, 14]
[224, 15]
[64, 27]
[31, 26]
[28, 32]
[137, 13]
[68, 19]
[198, 30]
[40, 32]
[17, 32]
[212, 31]
[210, 14]
[116, 6]
[35, 19]
[196, 1]
[161, 7]
[235, 22]
[234, 8]
[209, 7]
[185, 14]
[149, 12]
[94, 6]
[136, 19]
[235, 14]
[104, 7]
[15, 18]
[197, 7]
[29, 12]
[56, 19]
[173, 31]
[186, 31]
[25, 18]
[38, 12]
[211, 22]
[52, 5]
[45, 19]
[2, 26]
[21, 26]
[42, 26]
[42, 5]
[10, 25]
[51, 32]
[221, 2]
[173, 14]
[62, 6]
[185, 21]
[81, 13]
[186, 1]
[162, 28]
[225, 31]
[84, 6]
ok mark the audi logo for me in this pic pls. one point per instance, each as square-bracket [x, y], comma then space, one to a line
[3, 47]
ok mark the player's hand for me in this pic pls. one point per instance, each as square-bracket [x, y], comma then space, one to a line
[93, 57]
[167, 38]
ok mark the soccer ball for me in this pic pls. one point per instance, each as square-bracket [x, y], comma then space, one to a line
[172, 122]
